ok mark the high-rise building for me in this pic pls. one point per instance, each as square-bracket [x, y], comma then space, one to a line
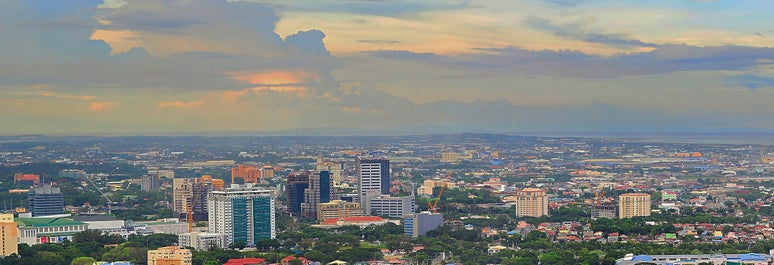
[335, 168]
[245, 174]
[531, 202]
[172, 255]
[45, 200]
[633, 204]
[418, 224]
[338, 209]
[374, 175]
[294, 191]
[181, 193]
[150, 182]
[320, 190]
[184, 190]
[243, 213]
[9, 233]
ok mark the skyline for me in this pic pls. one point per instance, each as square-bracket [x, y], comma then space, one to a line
[551, 66]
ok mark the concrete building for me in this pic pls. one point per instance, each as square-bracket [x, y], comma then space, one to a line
[181, 192]
[45, 200]
[243, 213]
[373, 175]
[172, 255]
[150, 182]
[531, 202]
[245, 174]
[335, 169]
[633, 204]
[9, 233]
[338, 209]
[418, 224]
[294, 191]
[320, 190]
[386, 205]
[34, 231]
[202, 241]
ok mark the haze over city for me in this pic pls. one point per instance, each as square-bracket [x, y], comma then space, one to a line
[165, 67]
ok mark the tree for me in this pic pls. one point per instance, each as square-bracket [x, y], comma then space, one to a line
[83, 261]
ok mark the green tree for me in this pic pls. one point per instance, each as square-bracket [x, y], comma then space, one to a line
[83, 261]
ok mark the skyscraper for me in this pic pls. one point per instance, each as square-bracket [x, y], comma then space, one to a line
[294, 191]
[374, 175]
[531, 202]
[243, 213]
[320, 190]
[45, 200]
[633, 204]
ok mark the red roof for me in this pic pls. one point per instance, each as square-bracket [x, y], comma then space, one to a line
[356, 219]
[245, 261]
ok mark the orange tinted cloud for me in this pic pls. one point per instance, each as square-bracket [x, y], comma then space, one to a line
[348, 109]
[99, 106]
[300, 91]
[278, 77]
[180, 104]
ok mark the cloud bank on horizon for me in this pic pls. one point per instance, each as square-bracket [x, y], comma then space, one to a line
[184, 66]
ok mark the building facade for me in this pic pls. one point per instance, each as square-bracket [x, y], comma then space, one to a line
[172, 255]
[320, 190]
[294, 191]
[245, 174]
[419, 224]
[633, 204]
[373, 175]
[202, 241]
[34, 231]
[338, 209]
[531, 202]
[243, 213]
[45, 200]
[9, 233]
[386, 205]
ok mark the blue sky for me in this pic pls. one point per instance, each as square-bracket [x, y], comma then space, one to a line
[554, 66]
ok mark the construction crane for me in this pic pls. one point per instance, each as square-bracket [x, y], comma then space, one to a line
[189, 209]
[598, 196]
[432, 204]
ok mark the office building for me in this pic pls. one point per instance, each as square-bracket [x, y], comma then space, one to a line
[185, 189]
[150, 182]
[386, 205]
[245, 174]
[373, 175]
[172, 255]
[338, 209]
[320, 190]
[267, 172]
[9, 233]
[45, 200]
[243, 213]
[294, 191]
[418, 224]
[335, 169]
[633, 204]
[531, 202]
[202, 241]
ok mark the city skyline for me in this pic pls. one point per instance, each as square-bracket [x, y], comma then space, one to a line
[552, 66]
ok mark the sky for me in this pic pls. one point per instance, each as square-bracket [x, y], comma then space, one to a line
[125, 67]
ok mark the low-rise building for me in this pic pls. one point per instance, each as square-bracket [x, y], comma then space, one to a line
[202, 240]
[34, 231]
[172, 255]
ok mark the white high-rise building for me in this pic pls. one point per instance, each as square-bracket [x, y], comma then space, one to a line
[243, 213]
[374, 175]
